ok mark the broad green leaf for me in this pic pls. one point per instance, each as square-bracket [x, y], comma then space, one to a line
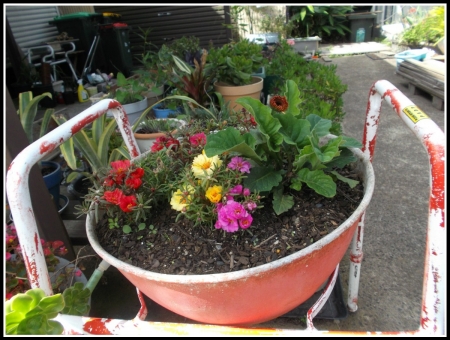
[346, 157]
[103, 144]
[319, 125]
[46, 121]
[281, 203]
[292, 94]
[268, 125]
[294, 130]
[318, 181]
[349, 142]
[230, 140]
[263, 179]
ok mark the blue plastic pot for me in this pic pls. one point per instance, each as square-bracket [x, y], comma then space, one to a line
[164, 113]
[53, 180]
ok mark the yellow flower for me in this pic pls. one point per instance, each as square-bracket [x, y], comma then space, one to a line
[214, 193]
[180, 199]
[203, 166]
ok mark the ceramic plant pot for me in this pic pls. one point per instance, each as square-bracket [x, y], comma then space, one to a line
[231, 93]
[146, 140]
[252, 295]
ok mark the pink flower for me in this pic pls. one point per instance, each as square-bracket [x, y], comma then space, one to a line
[238, 163]
[246, 221]
[8, 256]
[246, 192]
[199, 139]
[235, 210]
[237, 190]
[250, 206]
[77, 273]
[226, 222]
[290, 42]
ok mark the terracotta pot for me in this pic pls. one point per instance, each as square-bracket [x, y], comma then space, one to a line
[231, 93]
[252, 295]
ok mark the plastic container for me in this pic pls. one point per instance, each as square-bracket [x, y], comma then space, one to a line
[410, 54]
[115, 41]
[82, 26]
[83, 95]
[365, 21]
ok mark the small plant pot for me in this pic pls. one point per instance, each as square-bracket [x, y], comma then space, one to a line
[164, 113]
[53, 178]
[231, 93]
[146, 140]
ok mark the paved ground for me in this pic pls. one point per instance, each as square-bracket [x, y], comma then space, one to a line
[394, 241]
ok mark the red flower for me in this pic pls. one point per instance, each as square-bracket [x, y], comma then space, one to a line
[199, 139]
[120, 166]
[113, 196]
[138, 173]
[133, 183]
[127, 203]
[109, 181]
[172, 142]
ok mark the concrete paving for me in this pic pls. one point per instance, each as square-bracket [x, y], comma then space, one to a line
[390, 292]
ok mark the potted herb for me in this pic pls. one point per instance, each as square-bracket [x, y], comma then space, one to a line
[232, 65]
[129, 94]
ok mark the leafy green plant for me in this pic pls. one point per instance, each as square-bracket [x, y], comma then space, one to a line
[320, 88]
[318, 20]
[189, 81]
[428, 31]
[27, 111]
[31, 313]
[187, 48]
[129, 90]
[288, 151]
[94, 144]
[151, 125]
[234, 63]
[235, 26]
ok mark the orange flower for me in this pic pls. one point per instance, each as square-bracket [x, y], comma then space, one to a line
[279, 103]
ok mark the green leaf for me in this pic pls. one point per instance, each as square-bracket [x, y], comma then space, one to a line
[351, 182]
[126, 229]
[294, 130]
[230, 140]
[318, 181]
[46, 121]
[263, 179]
[319, 125]
[281, 203]
[182, 65]
[268, 125]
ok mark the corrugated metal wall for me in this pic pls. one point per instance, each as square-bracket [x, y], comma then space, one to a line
[29, 24]
[172, 22]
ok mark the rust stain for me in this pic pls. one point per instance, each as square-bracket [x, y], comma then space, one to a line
[114, 104]
[47, 147]
[81, 124]
[395, 103]
[356, 258]
[97, 326]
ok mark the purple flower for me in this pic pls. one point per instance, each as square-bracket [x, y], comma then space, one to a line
[238, 163]
[237, 190]
[246, 192]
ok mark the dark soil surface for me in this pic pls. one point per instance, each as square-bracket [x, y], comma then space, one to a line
[179, 248]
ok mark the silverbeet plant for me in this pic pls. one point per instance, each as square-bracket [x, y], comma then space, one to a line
[287, 152]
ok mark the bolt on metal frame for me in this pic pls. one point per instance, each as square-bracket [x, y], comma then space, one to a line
[434, 282]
